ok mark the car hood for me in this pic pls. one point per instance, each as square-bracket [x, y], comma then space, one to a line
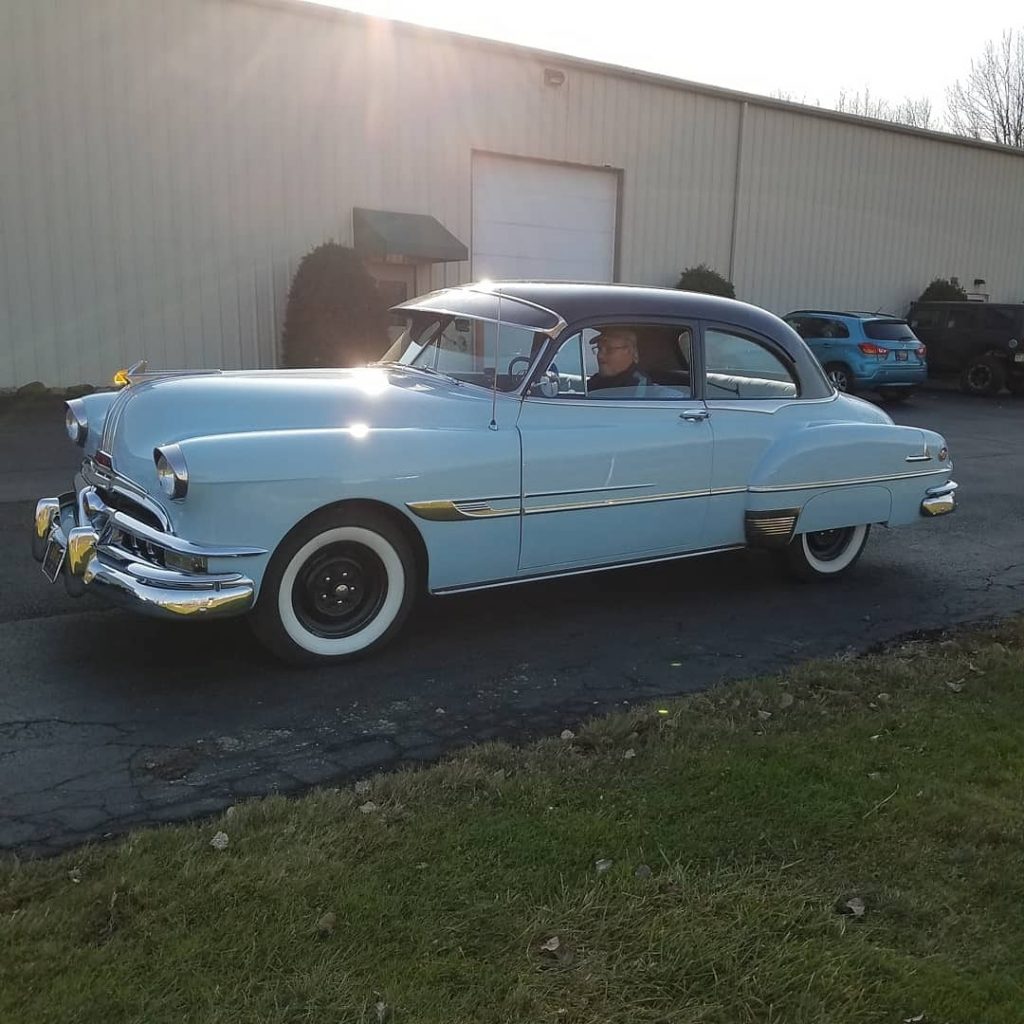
[171, 409]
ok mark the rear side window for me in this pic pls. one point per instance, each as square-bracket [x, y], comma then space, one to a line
[1003, 320]
[962, 317]
[929, 319]
[888, 330]
[739, 367]
[818, 327]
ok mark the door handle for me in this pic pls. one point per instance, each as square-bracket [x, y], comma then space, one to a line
[694, 415]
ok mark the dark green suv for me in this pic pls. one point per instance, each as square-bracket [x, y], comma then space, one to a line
[981, 341]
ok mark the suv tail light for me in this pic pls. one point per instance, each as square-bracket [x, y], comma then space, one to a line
[922, 351]
[870, 349]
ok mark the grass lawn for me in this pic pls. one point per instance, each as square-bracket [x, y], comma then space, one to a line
[844, 843]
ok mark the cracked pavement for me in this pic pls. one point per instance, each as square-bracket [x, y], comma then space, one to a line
[110, 722]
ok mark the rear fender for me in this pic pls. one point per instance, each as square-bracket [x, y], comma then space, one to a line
[847, 506]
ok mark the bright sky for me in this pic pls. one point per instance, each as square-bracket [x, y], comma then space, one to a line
[807, 48]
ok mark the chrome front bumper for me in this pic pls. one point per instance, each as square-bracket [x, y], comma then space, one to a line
[116, 556]
[940, 501]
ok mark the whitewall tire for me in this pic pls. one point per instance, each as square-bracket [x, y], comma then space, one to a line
[341, 584]
[826, 554]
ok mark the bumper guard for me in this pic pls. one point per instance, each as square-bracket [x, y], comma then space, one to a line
[88, 532]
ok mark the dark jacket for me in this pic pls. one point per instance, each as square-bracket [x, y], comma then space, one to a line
[629, 378]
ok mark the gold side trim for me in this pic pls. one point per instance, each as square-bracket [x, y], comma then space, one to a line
[452, 512]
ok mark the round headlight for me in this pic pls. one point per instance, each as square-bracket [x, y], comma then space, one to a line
[171, 472]
[75, 422]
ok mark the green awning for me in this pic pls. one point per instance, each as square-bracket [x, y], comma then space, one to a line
[416, 236]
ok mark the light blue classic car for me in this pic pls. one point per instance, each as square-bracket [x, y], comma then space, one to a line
[513, 432]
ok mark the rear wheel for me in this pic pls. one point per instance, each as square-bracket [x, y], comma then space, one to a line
[841, 377]
[341, 584]
[826, 554]
[983, 376]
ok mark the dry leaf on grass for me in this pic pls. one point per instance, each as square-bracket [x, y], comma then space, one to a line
[601, 866]
[362, 787]
[629, 754]
[326, 924]
[643, 871]
[552, 945]
[75, 875]
[369, 807]
[914, 1020]
[567, 734]
[853, 907]
[956, 687]
[220, 841]
[786, 700]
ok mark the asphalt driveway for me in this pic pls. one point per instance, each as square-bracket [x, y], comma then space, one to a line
[109, 721]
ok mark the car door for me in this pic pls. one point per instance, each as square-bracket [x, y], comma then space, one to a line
[751, 394]
[619, 474]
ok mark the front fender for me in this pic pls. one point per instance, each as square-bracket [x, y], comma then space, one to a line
[252, 488]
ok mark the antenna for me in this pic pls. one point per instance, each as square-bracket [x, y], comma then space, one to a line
[494, 380]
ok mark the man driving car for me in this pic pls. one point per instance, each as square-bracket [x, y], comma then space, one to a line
[617, 356]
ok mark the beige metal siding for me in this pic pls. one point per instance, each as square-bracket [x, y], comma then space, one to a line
[842, 216]
[164, 167]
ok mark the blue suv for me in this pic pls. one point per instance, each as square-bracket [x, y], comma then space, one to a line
[864, 351]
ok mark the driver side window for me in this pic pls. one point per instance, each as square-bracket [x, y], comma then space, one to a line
[645, 362]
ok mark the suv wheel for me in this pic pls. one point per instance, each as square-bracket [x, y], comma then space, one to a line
[984, 375]
[841, 377]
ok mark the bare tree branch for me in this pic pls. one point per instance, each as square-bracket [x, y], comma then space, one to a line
[914, 112]
[989, 103]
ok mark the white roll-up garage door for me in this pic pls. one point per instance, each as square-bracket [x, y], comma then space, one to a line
[542, 221]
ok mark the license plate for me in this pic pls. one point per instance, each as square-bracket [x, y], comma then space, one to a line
[53, 560]
[902, 355]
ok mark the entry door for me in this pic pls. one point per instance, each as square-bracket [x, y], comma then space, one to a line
[611, 479]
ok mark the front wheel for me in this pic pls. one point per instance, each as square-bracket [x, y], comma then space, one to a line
[826, 554]
[341, 584]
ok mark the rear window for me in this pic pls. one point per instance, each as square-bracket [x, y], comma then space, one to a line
[888, 330]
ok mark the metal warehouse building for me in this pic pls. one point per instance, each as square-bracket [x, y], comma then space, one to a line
[165, 164]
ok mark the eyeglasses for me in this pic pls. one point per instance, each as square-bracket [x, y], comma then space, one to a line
[601, 345]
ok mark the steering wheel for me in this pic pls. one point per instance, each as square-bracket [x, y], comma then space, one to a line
[517, 377]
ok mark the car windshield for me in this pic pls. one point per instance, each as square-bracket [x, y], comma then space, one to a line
[889, 330]
[475, 351]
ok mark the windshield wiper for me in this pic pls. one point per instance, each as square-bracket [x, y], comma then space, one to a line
[422, 369]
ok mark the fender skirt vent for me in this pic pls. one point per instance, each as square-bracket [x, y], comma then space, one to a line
[773, 529]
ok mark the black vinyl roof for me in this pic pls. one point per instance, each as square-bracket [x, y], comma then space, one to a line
[573, 302]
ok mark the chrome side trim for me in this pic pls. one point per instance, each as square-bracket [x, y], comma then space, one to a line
[614, 502]
[586, 490]
[770, 529]
[845, 483]
[509, 581]
[918, 458]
